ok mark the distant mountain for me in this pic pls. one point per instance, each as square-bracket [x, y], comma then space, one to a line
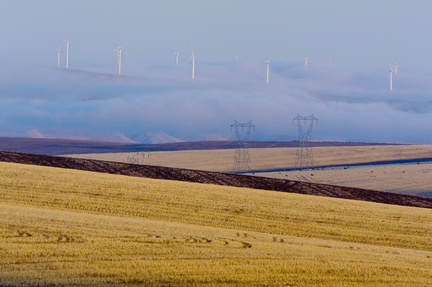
[155, 138]
[49, 146]
[80, 135]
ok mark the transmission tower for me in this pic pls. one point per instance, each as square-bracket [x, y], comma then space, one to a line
[241, 156]
[304, 156]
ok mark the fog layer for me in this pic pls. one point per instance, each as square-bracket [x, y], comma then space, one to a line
[161, 103]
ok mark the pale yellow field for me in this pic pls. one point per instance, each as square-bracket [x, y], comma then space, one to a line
[70, 227]
[401, 178]
[266, 158]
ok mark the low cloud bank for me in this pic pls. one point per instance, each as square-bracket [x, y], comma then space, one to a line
[162, 104]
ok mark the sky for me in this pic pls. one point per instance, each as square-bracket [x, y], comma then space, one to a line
[349, 45]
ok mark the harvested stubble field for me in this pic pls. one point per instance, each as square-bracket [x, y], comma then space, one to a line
[267, 158]
[68, 227]
[414, 178]
[219, 178]
[386, 178]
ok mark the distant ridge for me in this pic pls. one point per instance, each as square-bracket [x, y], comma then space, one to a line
[66, 146]
[218, 178]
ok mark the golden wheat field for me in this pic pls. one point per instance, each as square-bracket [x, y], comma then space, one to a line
[266, 158]
[67, 227]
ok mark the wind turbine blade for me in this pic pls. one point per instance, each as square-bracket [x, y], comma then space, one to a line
[271, 57]
[391, 69]
[188, 60]
[380, 63]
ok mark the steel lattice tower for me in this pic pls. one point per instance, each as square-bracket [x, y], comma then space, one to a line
[241, 156]
[304, 156]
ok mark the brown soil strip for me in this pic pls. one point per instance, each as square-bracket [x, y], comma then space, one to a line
[218, 178]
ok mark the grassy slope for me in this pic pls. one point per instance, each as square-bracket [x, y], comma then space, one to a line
[90, 228]
[266, 158]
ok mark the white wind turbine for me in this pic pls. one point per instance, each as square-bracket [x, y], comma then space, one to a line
[67, 53]
[176, 56]
[58, 56]
[391, 77]
[237, 56]
[193, 63]
[395, 65]
[119, 48]
[305, 59]
[268, 70]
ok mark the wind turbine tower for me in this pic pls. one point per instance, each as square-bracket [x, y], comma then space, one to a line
[305, 59]
[391, 78]
[176, 56]
[58, 56]
[67, 53]
[119, 48]
[268, 70]
[395, 64]
[193, 63]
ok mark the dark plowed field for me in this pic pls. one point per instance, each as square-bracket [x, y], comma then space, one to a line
[218, 178]
[64, 146]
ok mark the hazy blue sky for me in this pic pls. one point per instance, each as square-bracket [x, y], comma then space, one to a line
[157, 99]
[347, 32]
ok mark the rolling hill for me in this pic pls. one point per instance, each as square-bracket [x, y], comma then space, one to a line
[63, 227]
[199, 176]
